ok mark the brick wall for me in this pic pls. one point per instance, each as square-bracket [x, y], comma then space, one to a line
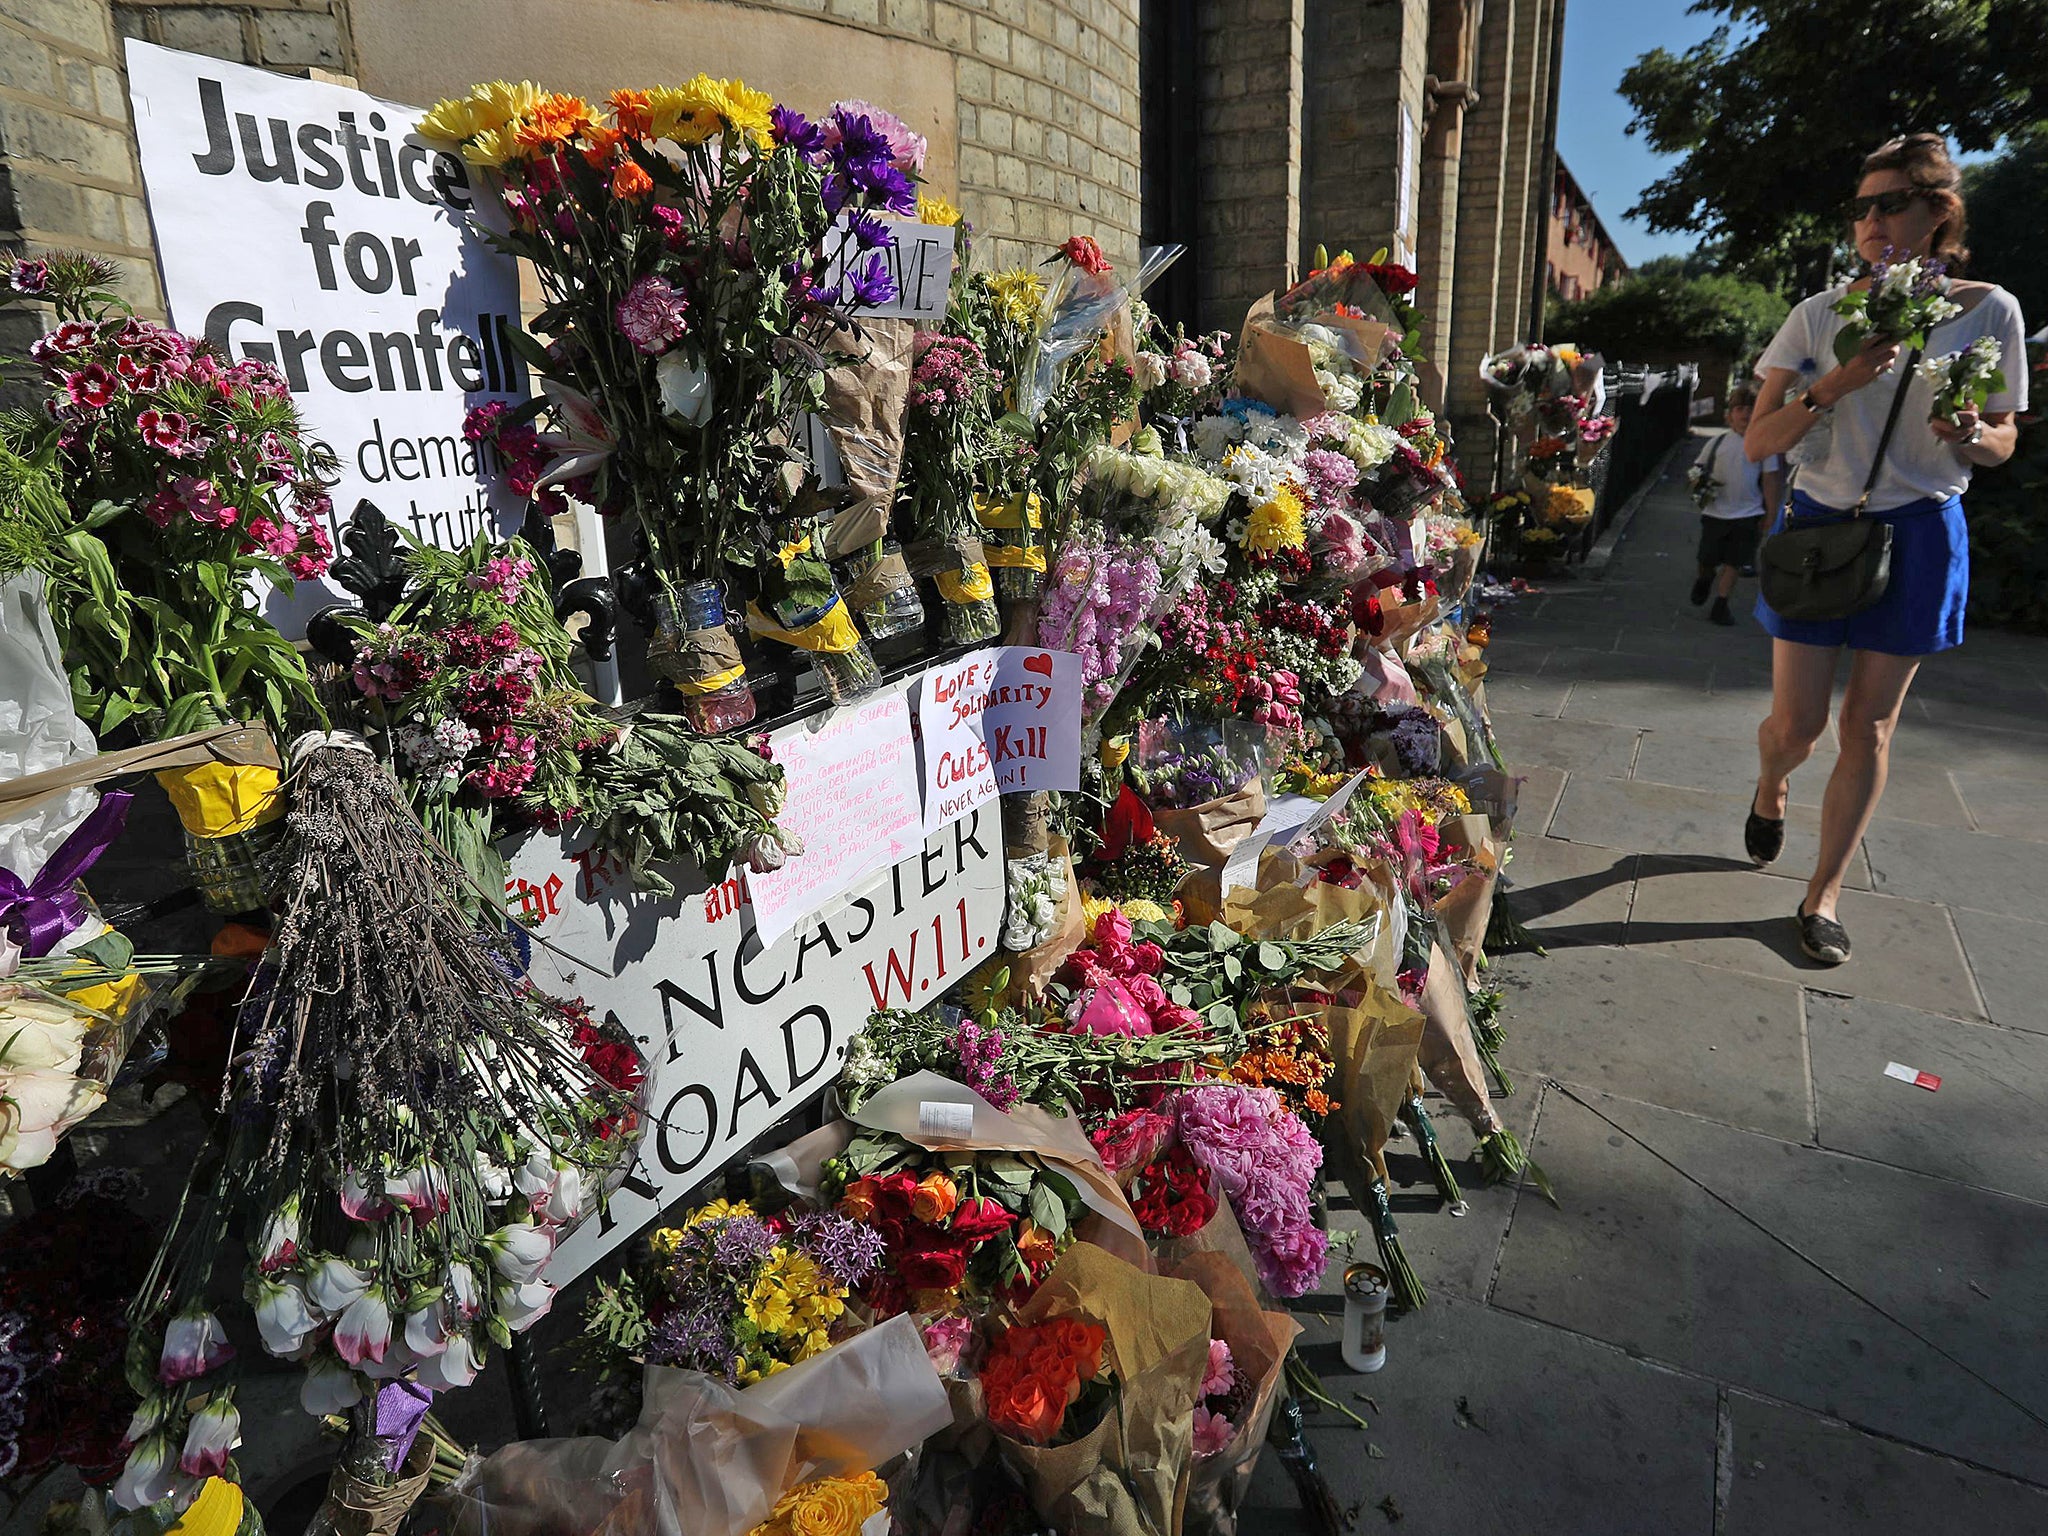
[68, 173]
[1365, 67]
[1250, 141]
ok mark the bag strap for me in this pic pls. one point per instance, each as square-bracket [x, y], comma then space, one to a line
[1884, 440]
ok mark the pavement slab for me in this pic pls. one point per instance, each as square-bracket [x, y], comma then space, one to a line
[1577, 746]
[2009, 957]
[1645, 1026]
[1536, 801]
[1570, 893]
[1556, 1434]
[1720, 913]
[2002, 807]
[1796, 1474]
[1992, 1079]
[1914, 792]
[1519, 693]
[1772, 1267]
[1659, 706]
[1669, 819]
[1965, 869]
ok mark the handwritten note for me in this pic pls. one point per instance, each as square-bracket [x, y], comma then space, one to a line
[853, 799]
[1006, 720]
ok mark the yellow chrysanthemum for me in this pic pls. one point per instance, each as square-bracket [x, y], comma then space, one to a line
[666, 1240]
[680, 113]
[936, 210]
[451, 121]
[1456, 799]
[494, 146]
[1136, 908]
[718, 1210]
[746, 110]
[1277, 524]
[1019, 294]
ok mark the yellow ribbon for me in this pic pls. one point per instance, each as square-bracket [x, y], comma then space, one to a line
[216, 1512]
[833, 633]
[1113, 751]
[789, 552]
[1023, 510]
[969, 586]
[1014, 557]
[220, 799]
[713, 683]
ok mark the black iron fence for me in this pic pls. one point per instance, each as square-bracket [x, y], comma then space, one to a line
[1653, 410]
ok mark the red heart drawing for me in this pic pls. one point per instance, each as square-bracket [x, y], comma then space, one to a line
[1041, 664]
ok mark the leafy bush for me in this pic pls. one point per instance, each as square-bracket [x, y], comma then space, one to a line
[1660, 309]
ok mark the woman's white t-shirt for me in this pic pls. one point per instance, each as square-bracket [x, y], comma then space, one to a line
[1917, 464]
[1740, 483]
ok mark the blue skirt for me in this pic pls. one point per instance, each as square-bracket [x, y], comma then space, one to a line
[1921, 611]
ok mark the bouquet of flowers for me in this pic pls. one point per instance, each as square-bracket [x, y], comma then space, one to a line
[470, 676]
[60, 1048]
[734, 1296]
[1035, 1374]
[1177, 372]
[1963, 381]
[951, 421]
[1700, 482]
[1267, 1163]
[161, 487]
[699, 248]
[1907, 297]
[407, 1129]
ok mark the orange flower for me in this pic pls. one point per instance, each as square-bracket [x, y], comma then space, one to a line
[630, 181]
[1036, 1246]
[857, 1203]
[933, 1200]
[599, 145]
[1083, 1343]
[1031, 1410]
[1318, 1102]
[630, 111]
[556, 118]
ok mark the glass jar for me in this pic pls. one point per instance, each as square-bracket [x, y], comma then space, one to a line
[693, 609]
[848, 674]
[899, 609]
[235, 872]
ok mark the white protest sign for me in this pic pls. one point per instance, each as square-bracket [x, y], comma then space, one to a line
[920, 259]
[739, 1034]
[1005, 720]
[308, 226]
[852, 778]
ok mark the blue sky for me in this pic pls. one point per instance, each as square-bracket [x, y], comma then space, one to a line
[1602, 38]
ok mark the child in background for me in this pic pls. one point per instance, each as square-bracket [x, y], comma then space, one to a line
[1732, 521]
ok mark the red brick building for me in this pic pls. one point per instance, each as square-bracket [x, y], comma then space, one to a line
[1582, 255]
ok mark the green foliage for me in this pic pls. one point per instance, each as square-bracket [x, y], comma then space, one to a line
[1662, 309]
[2008, 228]
[2009, 536]
[1772, 116]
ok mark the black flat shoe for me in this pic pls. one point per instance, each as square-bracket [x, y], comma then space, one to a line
[1701, 588]
[1822, 939]
[1763, 837]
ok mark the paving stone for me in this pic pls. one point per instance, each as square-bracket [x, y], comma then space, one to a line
[1536, 801]
[1915, 791]
[1681, 1267]
[1965, 869]
[1992, 1080]
[1454, 1255]
[2013, 710]
[2001, 807]
[1571, 893]
[1513, 693]
[1648, 1027]
[1667, 819]
[1904, 951]
[1580, 746]
[2000, 754]
[2009, 958]
[1665, 707]
[1796, 1473]
[1673, 674]
[1633, 1452]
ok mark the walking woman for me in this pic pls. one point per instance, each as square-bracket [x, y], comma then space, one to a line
[1907, 202]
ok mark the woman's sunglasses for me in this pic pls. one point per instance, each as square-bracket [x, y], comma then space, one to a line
[1889, 204]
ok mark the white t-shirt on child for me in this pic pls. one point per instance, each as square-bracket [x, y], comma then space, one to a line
[1741, 492]
[1917, 464]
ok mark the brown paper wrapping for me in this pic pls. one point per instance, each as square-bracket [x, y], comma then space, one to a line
[1027, 1129]
[1449, 1058]
[1034, 968]
[354, 1507]
[884, 577]
[865, 404]
[1027, 827]
[1206, 834]
[1284, 908]
[1276, 368]
[1463, 911]
[1401, 622]
[1129, 1475]
[1374, 1038]
[703, 654]
[238, 745]
[1259, 1340]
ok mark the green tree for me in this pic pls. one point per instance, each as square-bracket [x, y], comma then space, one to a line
[2008, 228]
[1661, 308]
[1772, 114]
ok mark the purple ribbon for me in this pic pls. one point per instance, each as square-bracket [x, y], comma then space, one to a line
[39, 912]
[401, 1405]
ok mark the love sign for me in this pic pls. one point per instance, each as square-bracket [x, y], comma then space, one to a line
[1001, 721]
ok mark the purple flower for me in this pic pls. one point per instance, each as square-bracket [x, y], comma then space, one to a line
[791, 127]
[873, 285]
[696, 1337]
[855, 140]
[906, 150]
[31, 279]
[845, 1250]
[1266, 1161]
[870, 232]
[651, 315]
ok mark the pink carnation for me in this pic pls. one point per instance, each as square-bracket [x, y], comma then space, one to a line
[651, 315]
[907, 150]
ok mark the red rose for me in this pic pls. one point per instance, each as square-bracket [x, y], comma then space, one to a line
[1393, 278]
[938, 1269]
[979, 1219]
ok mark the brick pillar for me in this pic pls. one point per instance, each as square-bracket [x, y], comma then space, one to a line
[1365, 69]
[1528, 96]
[1475, 298]
[1250, 140]
[1453, 60]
